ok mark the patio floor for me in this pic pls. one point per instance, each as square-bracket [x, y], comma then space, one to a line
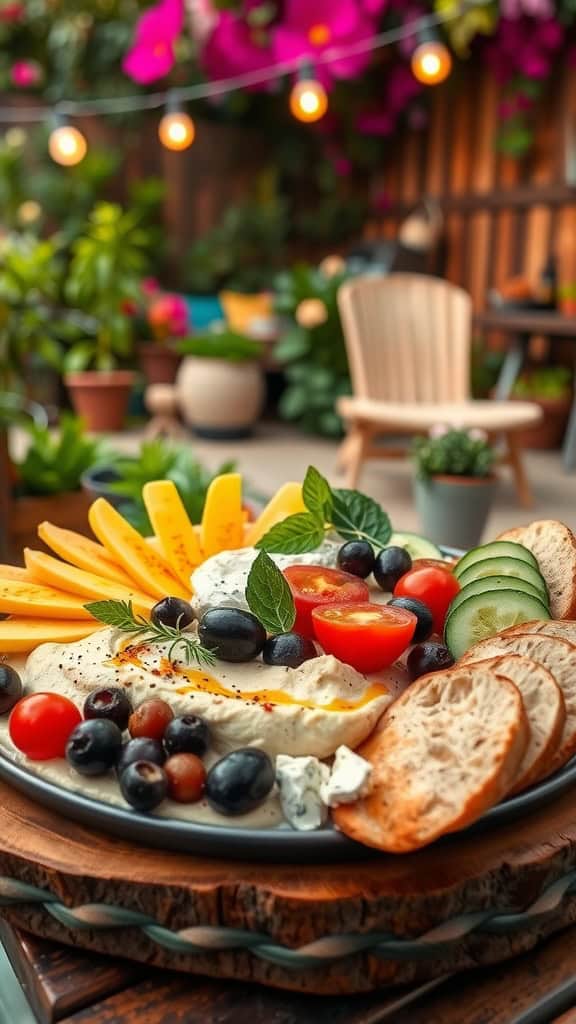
[277, 453]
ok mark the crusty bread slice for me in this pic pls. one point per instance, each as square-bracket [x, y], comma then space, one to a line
[447, 749]
[544, 705]
[559, 657]
[554, 547]
[563, 628]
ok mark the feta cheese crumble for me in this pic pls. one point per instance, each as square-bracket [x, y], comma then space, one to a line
[350, 779]
[299, 782]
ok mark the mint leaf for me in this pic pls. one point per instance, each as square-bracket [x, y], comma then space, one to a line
[317, 495]
[116, 613]
[269, 597]
[357, 517]
[294, 535]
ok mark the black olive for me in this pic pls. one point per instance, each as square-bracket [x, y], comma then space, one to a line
[357, 558]
[239, 781]
[140, 749]
[232, 634]
[187, 734]
[426, 658]
[110, 702]
[11, 688]
[425, 624]
[94, 746]
[172, 611]
[291, 649]
[391, 564]
[144, 785]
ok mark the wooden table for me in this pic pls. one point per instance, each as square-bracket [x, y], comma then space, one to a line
[521, 326]
[73, 987]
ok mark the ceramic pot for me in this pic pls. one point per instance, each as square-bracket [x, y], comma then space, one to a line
[159, 362]
[218, 398]
[101, 399]
[549, 432]
[453, 510]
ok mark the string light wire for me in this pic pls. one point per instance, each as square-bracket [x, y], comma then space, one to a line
[220, 87]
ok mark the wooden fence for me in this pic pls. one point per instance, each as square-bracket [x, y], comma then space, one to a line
[503, 216]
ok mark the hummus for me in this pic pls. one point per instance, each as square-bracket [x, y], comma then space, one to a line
[310, 710]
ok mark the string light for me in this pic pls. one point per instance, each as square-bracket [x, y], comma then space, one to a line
[308, 100]
[176, 129]
[431, 62]
[67, 145]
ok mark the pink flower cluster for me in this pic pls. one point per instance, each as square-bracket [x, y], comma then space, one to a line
[25, 74]
[168, 316]
[524, 45]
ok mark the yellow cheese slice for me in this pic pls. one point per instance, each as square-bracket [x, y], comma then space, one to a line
[222, 527]
[18, 597]
[83, 553]
[170, 522]
[286, 502]
[48, 570]
[24, 634]
[14, 572]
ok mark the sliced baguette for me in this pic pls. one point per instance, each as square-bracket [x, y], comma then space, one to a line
[559, 657]
[554, 546]
[544, 705]
[448, 748]
[563, 628]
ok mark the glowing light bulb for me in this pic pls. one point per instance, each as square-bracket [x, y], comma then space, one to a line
[308, 100]
[67, 145]
[176, 130]
[431, 62]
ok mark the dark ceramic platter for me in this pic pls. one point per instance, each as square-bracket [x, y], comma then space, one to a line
[281, 844]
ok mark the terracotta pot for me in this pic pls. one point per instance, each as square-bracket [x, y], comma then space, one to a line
[219, 398]
[159, 362]
[549, 432]
[453, 509]
[101, 399]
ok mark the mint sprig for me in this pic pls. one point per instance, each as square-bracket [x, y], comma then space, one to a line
[351, 514]
[268, 595]
[121, 615]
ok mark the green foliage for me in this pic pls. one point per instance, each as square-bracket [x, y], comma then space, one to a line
[235, 348]
[484, 370]
[552, 382]
[454, 453]
[107, 263]
[159, 460]
[315, 361]
[54, 462]
[244, 251]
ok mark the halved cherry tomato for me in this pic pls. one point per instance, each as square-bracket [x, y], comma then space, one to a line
[435, 585]
[367, 636]
[314, 585]
[40, 725]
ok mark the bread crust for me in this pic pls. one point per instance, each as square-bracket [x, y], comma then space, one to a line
[553, 544]
[418, 765]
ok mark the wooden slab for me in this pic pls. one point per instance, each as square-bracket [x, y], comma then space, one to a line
[292, 906]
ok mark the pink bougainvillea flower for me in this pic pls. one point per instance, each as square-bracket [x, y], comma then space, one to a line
[203, 18]
[26, 73]
[12, 13]
[152, 54]
[399, 90]
[309, 30]
[374, 7]
[532, 8]
[149, 286]
[168, 316]
[342, 166]
[235, 48]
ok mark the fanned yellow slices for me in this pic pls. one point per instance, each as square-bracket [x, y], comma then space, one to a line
[14, 572]
[286, 502]
[24, 633]
[222, 527]
[121, 540]
[83, 553]
[18, 597]
[178, 541]
[51, 571]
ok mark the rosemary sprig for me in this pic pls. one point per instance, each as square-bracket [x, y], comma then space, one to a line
[121, 615]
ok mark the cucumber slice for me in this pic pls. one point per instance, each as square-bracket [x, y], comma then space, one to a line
[487, 614]
[505, 567]
[487, 583]
[498, 549]
[415, 545]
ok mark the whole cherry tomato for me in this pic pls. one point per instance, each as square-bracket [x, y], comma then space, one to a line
[40, 725]
[314, 585]
[367, 636]
[435, 585]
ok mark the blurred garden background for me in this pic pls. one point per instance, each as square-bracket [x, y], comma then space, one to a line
[184, 188]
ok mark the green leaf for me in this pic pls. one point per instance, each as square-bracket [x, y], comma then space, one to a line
[355, 516]
[294, 535]
[317, 495]
[115, 613]
[269, 597]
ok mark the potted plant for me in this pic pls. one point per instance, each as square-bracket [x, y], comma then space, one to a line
[47, 481]
[454, 485]
[550, 387]
[103, 277]
[220, 384]
[166, 318]
[122, 480]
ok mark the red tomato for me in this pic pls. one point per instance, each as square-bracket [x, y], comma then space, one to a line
[314, 585]
[367, 636]
[434, 585]
[40, 725]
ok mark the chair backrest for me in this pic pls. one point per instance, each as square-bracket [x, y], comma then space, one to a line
[407, 337]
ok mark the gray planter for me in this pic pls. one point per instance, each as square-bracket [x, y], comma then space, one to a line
[453, 510]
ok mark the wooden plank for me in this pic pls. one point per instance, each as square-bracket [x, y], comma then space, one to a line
[57, 980]
[482, 180]
[437, 143]
[458, 182]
